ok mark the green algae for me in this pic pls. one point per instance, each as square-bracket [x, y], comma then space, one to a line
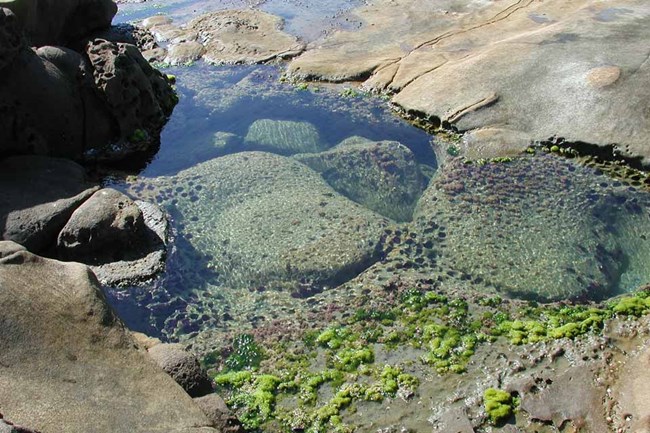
[448, 329]
[499, 405]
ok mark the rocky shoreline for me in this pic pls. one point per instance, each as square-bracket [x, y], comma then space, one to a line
[372, 295]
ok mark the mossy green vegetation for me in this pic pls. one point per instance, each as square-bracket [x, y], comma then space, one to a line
[499, 405]
[317, 380]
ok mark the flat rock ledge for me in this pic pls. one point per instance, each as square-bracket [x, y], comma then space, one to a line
[521, 69]
[224, 37]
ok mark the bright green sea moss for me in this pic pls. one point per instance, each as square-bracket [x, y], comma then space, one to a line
[499, 405]
[447, 329]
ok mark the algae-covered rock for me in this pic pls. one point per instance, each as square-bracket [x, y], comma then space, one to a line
[382, 175]
[269, 221]
[535, 227]
[285, 137]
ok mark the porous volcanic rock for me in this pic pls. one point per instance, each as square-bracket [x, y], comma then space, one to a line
[68, 363]
[138, 96]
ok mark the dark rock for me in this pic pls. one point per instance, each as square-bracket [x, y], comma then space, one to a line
[10, 37]
[69, 365]
[183, 367]
[41, 110]
[57, 22]
[102, 229]
[39, 194]
[139, 97]
[216, 410]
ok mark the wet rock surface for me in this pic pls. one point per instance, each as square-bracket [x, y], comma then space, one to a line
[290, 231]
[541, 216]
[248, 36]
[284, 137]
[76, 367]
[383, 176]
[218, 412]
[476, 65]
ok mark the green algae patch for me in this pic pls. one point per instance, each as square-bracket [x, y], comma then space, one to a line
[319, 379]
[499, 405]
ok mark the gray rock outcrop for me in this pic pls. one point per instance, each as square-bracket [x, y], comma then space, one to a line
[39, 194]
[69, 365]
[48, 206]
[520, 68]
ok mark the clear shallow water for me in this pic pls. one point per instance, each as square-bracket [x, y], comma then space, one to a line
[257, 236]
[308, 20]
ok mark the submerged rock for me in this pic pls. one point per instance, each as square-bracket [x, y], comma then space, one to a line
[285, 137]
[269, 221]
[535, 228]
[69, 365]
[381, 175]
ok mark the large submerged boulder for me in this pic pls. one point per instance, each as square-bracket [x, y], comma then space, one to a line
[68, 363]
[540, 228]
[382, 175]
[270, 221]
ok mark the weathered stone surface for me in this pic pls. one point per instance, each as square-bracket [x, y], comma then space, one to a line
[139, 97]
[577, 69]
[632, 394]
[216, 410]
[243, 36]
[538, 227]
[68, 364]
[134, 256]
[285, 137]
[571, 396]
[38, 196]
[57, 22]
[383, 175]
[103, 229]
[183, 367]
[270, 221]
[184, 53]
